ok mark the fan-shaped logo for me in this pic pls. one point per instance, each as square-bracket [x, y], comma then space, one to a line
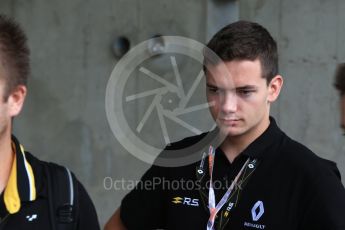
[169, 100]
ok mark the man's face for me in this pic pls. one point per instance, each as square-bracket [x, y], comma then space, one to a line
[239, 99]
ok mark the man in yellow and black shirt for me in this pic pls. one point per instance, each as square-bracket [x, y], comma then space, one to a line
[30, 189]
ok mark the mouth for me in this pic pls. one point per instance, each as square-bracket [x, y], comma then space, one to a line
[230, 122]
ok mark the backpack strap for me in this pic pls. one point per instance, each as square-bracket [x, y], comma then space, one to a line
[62, 196]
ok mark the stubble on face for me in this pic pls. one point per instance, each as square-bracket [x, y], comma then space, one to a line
[239, 100]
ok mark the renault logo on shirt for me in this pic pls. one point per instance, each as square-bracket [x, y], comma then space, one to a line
[258, 210]
[186, 201]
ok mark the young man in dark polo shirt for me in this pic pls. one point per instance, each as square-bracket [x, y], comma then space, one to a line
[27, 197]
[272, 182]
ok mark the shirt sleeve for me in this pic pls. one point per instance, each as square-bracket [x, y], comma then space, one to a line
[143, 208]
[326, 201]
[87, 218]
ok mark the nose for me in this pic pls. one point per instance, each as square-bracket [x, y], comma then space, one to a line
[229, 103]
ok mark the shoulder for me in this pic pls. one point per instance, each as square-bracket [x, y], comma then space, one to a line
[300, 157]
[56, 169]
[184, 153]
[59, 179]
[179, 158]
[315, 179]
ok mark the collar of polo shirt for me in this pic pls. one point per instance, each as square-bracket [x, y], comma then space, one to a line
[21, 183]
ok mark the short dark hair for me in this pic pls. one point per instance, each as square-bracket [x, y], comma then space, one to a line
[340, 78]
[244, 40]
[14, 55]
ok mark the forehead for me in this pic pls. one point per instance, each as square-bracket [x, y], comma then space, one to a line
[236, 72]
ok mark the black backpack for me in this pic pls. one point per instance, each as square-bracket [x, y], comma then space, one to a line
[62, 197]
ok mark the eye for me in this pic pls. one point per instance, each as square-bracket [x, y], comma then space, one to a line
[213, 89]
[245, 92]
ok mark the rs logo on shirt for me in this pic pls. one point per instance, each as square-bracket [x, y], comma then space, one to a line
[185, 201]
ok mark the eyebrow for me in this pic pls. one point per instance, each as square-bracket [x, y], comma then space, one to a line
[245, 87]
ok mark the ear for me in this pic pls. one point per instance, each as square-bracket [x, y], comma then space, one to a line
[274, 88]
[16, 99]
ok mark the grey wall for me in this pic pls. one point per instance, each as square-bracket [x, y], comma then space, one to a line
[64, 117]
[311, 37]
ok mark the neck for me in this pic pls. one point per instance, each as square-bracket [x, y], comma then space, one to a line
[233, 146]
[6, 160]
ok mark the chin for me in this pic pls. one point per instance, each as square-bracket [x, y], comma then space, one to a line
[231, 131]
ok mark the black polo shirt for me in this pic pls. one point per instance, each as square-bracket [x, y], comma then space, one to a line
[24, 202]
[291, 188]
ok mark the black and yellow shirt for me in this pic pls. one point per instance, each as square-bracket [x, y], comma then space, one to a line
[24, 202]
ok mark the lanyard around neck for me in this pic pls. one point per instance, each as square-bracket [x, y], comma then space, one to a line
[238, 184]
